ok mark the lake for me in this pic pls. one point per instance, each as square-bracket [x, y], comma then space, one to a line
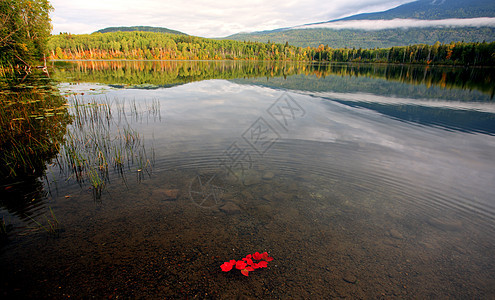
[139, 179]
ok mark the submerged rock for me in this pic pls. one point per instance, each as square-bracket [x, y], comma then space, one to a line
[349, 278]
[230, 208]
[395, 234]
[166, 194]
[251, 180]
[268, 175]
[446, 224]
[172, 194]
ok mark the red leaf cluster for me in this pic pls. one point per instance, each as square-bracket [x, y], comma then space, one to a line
[248, 263]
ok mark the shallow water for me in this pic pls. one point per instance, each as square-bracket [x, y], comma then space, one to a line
[362, 193]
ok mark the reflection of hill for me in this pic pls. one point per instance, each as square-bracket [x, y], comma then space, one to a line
[323, 77]
[452, 119]
[461, 84]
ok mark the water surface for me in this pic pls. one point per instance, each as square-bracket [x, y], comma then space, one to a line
[360, 180]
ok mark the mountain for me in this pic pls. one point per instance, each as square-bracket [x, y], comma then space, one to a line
[387, 38]
[383, 30]
[140, 28]
[432, 10]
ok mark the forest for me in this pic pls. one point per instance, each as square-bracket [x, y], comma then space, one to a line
[163, 46]
[468, 54]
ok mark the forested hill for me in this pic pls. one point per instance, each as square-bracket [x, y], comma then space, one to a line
[386, 38]
[433, 10]
[140, 28]
[164, 46]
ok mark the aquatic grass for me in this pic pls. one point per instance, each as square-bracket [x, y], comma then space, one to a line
[33, 122]
[5, 230]
[154, 109]
[99, 139]
[3, 227]
[52, 226]
[87, 138]
[134, 110]
[97, 183]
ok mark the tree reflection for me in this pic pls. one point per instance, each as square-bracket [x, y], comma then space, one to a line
[33, 122]
[154, 74]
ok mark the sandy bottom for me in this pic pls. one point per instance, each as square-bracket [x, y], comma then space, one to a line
[328, 240]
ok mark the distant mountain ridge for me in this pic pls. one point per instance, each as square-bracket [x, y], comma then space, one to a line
[141, 28]
[337, 35]
[354, 38]
[432, 10]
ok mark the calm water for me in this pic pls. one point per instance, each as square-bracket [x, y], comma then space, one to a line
[362, 181]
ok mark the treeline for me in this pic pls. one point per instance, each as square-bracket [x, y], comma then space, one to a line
[160, 46]
[468, 54]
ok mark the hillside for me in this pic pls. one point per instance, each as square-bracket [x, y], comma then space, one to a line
[140, 28]
[337, 37]
[164, 46]
[353, 38]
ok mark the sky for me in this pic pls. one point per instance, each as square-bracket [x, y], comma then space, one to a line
[214, 18]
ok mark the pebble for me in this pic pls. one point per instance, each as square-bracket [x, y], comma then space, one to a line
[396, 234]
[268, 175]
[165, 194]
[282, 196]
[350, 278]
[171, 194]
[446, 224]
[267, 197]
[230, 208]
[251, 180]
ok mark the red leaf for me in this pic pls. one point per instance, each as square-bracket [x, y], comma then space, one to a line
[240, 265]
[226, 266]
[257, 256]
[245, 272]
[248, 256]
[249, 269]
[266, 257]
[262, 264]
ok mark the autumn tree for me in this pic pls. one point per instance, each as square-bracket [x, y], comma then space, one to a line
[24, 30]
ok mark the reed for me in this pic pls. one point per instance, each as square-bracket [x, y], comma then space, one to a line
[52, 226]
[3, 227]
[5, 230]
[33, 121]
[102, 137]
[89, 136]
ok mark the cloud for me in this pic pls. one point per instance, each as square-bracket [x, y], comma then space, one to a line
[209, 19]
[402, 23]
